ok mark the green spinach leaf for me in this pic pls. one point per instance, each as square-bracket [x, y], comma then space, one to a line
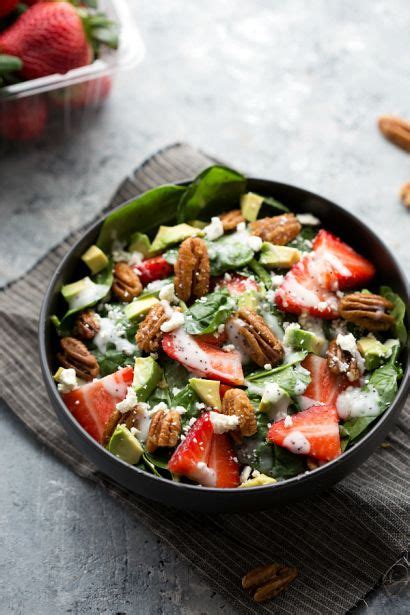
[269, 200]
[290, 377]
[228, 254]
[112, 360]
[303, 241]
[398, 313]
[206, 314]
[261, 274]
[189, 400]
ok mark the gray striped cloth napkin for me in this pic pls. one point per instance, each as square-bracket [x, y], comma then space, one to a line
[342, 542]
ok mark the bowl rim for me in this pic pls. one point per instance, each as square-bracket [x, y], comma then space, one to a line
[305, 477]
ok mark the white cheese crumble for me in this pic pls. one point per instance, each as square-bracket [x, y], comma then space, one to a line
[67, 380]
[241, 227]
[276, 280]
[215, 229]
[174, 322]
[245, 474]
[255, 243]
[308, 219]
[167, 293]
[228, 347]
[180, 409]
[222, 422]
[347, 342]
[288, 422]
[129, 403]
[355, 402]
[267, 366]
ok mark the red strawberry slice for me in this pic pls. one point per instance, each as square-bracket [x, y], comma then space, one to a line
[307, 287]
[324, 386]
[349, 267]
[237, 284]
[205, 457]
[203, 359]
[6, 6]
[152, 269]
[94, 403]
[313, 432]
[224, 388]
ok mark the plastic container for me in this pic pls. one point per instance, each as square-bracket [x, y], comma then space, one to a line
[54, 104]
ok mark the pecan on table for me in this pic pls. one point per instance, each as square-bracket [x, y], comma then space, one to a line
[86, 325]
[231, 219]
[266, 582]
[149, 334]
[396, 130]
[367, 310]
[405, 194]
[76, 355]
[262, 346]
[164, 430]
[236, 403]
[342, 362]
[279, 230]
[126, 284]
[192, 269]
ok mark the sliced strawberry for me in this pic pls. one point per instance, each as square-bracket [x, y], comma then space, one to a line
[224, 388]
[350, 268]
[152, 269]
[313, 432]
[324, 386]
[237, 284]
[205, 457]
[203, 359]
[94, 403]
[307, 287]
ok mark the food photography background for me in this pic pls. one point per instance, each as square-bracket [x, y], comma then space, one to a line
[290, 91]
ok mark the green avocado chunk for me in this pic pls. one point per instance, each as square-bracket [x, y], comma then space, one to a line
[95, 259]
[250, 206]
[278, 256]
[140, 243]
[135, 310]
[299, 339]
[70, 291]
[125, 446]
[275, 401]
[208, 391]
[169, 235]
[373, 351]
[147, 374]
[249, 299]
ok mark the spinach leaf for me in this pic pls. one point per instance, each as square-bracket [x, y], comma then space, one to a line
[227, 254]
[206, 314]
[261, 274]
[398, 313]
[188, 399]
[286, 464]
[159, 459]
[216, 188]
[112, 360]
[175, 374]
[146, 212]
[269, 200]
[303, 241]
[290, 377]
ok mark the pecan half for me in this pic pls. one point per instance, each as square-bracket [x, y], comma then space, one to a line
[76, 355]
[149, 334]
[367, 310]
[164, 430]
[126, 284]
[279, 230]
[255, 336]
[236, 403]
[405, 194]
[396, 130]
[231, 219]
[86, 325]
[266, 582]
[110, 426]
[342, 362]
[192, 269]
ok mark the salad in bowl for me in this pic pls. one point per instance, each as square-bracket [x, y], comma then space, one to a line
[216, 338]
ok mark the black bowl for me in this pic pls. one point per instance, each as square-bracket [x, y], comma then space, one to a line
[199, 498]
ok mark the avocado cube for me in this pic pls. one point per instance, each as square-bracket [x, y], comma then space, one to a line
[125, 446]
[249, 299]
[198, 224]
[372, 351]
[278, 256]
[95, 259]
[140, 243]
[71, 291]
[136, 310]
[170, 235]
[147, 374]
[208, 391]
[258, 481]
[299, 339]
[250, 206]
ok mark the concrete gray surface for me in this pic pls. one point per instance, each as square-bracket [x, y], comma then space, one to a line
[289, 91]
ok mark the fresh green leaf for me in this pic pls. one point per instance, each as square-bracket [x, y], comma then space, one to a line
[293, 378]
[261, 274]
[150, 465]
[189, 400]
[175, 374]
[286, 464]
[159, 459]
[112, 360]
[137, 215]
[398, 313]
[228, 254]
[216, 188]
[9, 64]
[303, 241]
[269, 200]
[207, 313]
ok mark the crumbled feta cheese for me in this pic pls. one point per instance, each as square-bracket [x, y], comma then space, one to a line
[221, 328]
[241, 227]
[180, 409]
[67, 380]
[308, 219]
[223, 422]
[135, 258]
[288, 421]
[245, 474]
[167, 293]
[255, 473]
[254, 242]
[347, 343]
[214, 230]
[267, 366]
[176, 390]
[199, 405]
[277, 280]
[129, 403]
[134, 431]
[322, 306]
[174, 322]
[160, 406]
[228, 347]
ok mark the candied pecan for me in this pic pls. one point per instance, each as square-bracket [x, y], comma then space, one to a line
[266, 582]
[255, 336]
[110, 426]
[279, 230]
[192, 269]
[396, 130]
[405, 194]
[164, 430]
[86, 325]
[149, 334]
[236, 403]
[231, 219]
[77, 356]
[367, 310]
[126, 284]
[342, 362]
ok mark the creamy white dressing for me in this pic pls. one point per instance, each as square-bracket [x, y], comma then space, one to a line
[355, 402]
[204, 475]
[112, 332]
[275, 401]
[235, 339]
[90, 293]
[296, 443]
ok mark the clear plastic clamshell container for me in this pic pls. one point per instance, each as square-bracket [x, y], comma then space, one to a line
[35, 109]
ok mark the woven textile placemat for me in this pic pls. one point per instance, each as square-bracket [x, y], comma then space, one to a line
[342, 542]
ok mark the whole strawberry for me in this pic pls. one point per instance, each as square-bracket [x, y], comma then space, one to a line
[49, 38]
[6, 6]
[23, 119]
